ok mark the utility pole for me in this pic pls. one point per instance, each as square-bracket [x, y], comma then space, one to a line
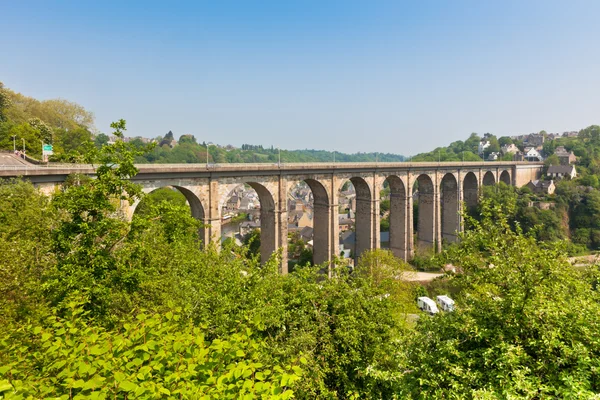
[14, 143]
[23, 147]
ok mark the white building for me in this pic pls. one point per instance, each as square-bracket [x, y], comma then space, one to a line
[484, 144]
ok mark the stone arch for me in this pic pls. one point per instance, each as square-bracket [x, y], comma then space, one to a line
[489, 179]
[426, 216]
[449, 208]
[505, 177]
[193, 201]
[321, 222]
[268, 225]
[364, 216]
[398, 220]
[235, 201]
[363, 223]
[470, 190]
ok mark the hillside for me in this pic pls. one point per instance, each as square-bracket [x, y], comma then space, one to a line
[68, 127]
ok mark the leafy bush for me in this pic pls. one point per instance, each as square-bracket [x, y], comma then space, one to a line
[152, 356]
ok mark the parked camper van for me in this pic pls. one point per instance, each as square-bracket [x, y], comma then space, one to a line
[445, 303]
[427, 305]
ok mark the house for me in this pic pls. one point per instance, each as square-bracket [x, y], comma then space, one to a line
[248, 226]
[509, 148]
[294, 216]
[535, 140]
[305, 220]
[295, 205]
[532, 154]
[571, 134]
[565, 157]
[493, 156]
[293, 228]
[345, 223]
[561, 171]
[484, 144]
[347, 240]
[233, 203]
[306, 233]
[247, 204]
[541, 187]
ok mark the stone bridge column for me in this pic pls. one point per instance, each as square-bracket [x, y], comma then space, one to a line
[212, 219]
[437, 220]
[376, 244]
[461, 220]
[281, 221]
[410, 234]
[334, 236]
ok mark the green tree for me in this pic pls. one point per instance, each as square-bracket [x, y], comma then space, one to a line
[86, 240]
[5, 102]
[101, 139]
[522, 307]
[504, 140]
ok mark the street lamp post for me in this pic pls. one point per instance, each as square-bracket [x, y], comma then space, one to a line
[207, 144]
[14, 143]
[23, 147]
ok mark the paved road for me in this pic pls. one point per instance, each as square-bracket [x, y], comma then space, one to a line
[423, 276]
[10, 159]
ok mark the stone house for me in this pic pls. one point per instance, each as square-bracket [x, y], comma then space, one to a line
[509, 148]
[542, 187]
[345, 223]
[561, 171]
[233, 203]
[565, 157]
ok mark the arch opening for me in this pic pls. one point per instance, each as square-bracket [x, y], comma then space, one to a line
[355, 217]
[393, 206]
[176, 195]
[449, 208]
[489, 179]
[308, 224]
[470, 190]
[505, 177]
[424, 213]
[240, 216]
[248, 213]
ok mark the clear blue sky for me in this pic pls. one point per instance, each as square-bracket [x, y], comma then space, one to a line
[387, 76]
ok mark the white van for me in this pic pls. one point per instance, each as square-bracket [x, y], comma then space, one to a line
[446, 303]
[427, 305]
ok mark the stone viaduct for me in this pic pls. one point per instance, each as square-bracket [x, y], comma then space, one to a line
[441, 189]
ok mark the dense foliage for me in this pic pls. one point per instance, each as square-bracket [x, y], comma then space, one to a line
[526, 325]
[95, 306]
[77, 278]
